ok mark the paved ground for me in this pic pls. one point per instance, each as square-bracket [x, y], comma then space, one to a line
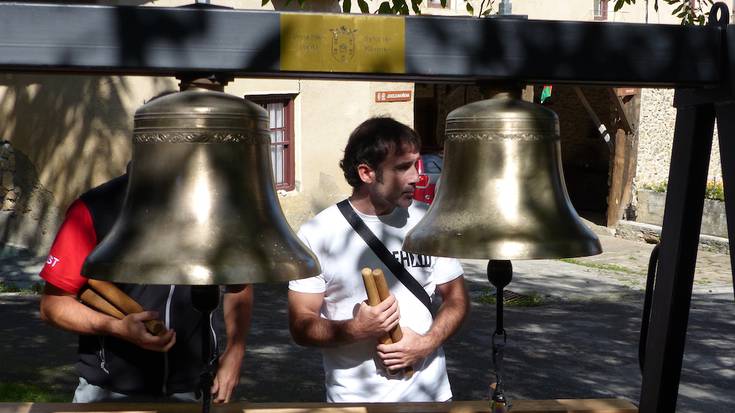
[582, 342]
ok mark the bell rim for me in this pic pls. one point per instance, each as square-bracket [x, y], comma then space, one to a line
[165, 274]
[556, 249]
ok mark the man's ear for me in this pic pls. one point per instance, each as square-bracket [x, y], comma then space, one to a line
[366, 173]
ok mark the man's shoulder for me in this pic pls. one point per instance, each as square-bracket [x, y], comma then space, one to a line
[107, 191]
[325, 221]
[416, 211]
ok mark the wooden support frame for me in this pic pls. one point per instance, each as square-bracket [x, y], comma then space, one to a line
[519, 406]
[165, 41]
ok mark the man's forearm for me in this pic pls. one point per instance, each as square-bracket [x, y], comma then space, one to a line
[450, 316]
[67, 313]
[315, 331]
[237, 308]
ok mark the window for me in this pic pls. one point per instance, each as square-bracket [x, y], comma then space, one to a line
[280, 124]
[438, 4]
[599, 11]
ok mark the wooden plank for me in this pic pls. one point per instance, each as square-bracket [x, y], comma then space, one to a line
[480, 406]
[139, 40]
[624, 158]
[618, 178]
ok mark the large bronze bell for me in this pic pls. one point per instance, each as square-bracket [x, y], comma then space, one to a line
[200, 207]
[502, 194]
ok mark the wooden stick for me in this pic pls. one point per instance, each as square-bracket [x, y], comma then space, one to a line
[373, 296]
[94, 300]
[124, 303]
[395, 334]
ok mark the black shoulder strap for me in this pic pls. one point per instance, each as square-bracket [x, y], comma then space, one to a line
[388, 259]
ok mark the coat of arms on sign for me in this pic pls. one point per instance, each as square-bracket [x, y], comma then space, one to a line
[343, 44]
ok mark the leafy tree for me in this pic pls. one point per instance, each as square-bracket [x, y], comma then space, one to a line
[401, 7]
[690, 12]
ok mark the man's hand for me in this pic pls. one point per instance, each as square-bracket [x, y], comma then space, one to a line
[132, 329]
[374, 321]
[228, 376]
[62, 309]
[308, 328]
[412, 348]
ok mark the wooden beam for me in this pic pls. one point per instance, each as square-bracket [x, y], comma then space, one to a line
[481, 406]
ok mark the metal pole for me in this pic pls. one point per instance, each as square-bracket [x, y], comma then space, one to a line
[505, 7]
[726, 132]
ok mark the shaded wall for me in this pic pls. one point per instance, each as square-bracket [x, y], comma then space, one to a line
[585, 155]
[66, 134]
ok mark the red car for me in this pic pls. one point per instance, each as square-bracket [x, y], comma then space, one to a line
[429, 167]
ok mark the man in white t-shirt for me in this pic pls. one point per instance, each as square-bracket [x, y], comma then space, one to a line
[329, 310]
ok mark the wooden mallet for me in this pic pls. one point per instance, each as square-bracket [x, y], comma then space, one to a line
[377, 291]
[106, 298]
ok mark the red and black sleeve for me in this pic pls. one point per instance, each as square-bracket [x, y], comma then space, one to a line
[74, 241]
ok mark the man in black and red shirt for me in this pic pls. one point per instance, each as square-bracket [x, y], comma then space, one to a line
[120, 359]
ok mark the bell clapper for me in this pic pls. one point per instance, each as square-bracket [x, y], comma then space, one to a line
[205, 299]
[499, 273]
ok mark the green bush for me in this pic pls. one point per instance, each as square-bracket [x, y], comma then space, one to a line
[8, 287]
[715, 190]
[23, 392]
[656, 187]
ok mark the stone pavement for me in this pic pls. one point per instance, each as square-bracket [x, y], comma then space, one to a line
[581, 342]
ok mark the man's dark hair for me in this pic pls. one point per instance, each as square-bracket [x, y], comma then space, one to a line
[371, 142]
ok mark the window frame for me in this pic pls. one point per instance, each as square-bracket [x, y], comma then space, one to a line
[602, 8]
[289, 161]
[436, 4]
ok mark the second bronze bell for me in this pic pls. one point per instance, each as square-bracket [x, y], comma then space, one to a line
[201, 207]
[502, 194]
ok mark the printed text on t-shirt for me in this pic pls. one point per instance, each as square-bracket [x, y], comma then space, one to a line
[412, 260]
[52, 261]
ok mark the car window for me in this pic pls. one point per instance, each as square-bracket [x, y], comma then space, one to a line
[432, 163]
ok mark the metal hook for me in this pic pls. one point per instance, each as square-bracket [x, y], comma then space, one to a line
[719, 15]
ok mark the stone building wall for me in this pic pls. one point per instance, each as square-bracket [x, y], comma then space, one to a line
[28, 217]
[9, 193]
[656, 134]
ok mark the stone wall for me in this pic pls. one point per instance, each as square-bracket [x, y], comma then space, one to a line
[28, 217]
[8, 191]
[651, 211]
[656, 134]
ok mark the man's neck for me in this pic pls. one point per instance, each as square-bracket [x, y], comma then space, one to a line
[364, 203]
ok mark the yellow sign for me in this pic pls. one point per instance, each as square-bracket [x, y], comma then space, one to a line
[342, 43]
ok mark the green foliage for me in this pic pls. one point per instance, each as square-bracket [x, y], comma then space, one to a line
[599, 265]
[695, 12]
[485, 7]
[9, 287]
[715, 189]
[22, 392]
[401, 7]
[656, 186]
[689, 12]
[620, 3]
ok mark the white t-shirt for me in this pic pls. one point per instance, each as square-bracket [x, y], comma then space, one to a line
[351, 374]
